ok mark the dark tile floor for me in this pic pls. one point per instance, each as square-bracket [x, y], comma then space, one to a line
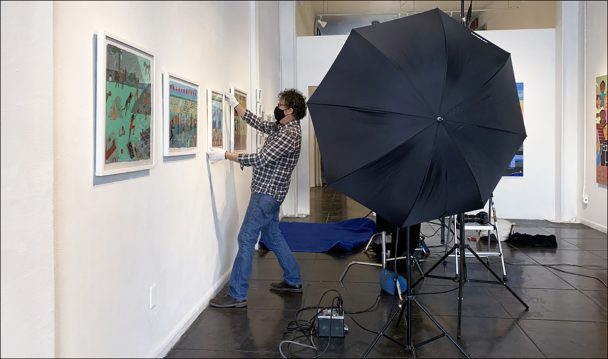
[567, 317]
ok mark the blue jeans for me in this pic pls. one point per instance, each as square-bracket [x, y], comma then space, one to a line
[262, 216]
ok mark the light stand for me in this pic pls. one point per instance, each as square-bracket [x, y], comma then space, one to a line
[461, 246]
[409, 345]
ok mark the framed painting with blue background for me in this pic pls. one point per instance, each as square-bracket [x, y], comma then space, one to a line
[216, 124]
[180, 108]
[516, 167]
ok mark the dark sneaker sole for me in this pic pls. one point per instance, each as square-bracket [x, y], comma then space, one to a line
[233, 305]
[286, 290]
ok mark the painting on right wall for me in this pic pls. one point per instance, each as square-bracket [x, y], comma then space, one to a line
[516, 167]
[601, 131]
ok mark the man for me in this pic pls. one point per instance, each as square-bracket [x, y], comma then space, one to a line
[272, 168]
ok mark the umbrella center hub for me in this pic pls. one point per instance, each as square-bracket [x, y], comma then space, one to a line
[439, 119]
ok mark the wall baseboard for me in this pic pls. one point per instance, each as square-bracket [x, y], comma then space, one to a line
[183, 325]
[594, 225]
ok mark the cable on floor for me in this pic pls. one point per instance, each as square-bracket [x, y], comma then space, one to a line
[307, 327]
[553, 266]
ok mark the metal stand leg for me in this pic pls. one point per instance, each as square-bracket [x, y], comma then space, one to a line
[460, 248]
[410, 298]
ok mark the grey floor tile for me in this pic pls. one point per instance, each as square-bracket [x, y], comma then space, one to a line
[534, 276]
[259, 296]
[476, 302]
[601, 254]
[589, 243]
[599, 296]
[189, 353]
[567, 316]
[491, 338]
[581, 233]
[583, 280]
[550, 304]
[562, 339]
[565, 256]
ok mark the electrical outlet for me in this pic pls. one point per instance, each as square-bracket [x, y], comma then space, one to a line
[152, 297]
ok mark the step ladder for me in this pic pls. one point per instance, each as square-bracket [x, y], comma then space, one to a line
[488, 228]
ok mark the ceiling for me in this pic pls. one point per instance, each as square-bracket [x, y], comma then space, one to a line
[395, 7]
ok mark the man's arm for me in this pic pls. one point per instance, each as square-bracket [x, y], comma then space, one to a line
[281, 145]
[234, 157]
[256, 122]
[251, 119]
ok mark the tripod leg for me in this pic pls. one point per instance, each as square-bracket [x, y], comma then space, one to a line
[434, 266]
[461, 277]
[409, 289]
[381, 333]
[440, 327]
[498, 278]
[442, 220]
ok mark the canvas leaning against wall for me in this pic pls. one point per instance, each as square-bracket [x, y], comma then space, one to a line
[180, 113]
[601, 131]
[516, 167]
[124, 121]
[215, 119]
[239, 126]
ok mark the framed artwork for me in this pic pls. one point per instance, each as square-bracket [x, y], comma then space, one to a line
[180, 114]
[601, 131]
[124, 107]
[216, 129]
[516, 167]
[239, 126]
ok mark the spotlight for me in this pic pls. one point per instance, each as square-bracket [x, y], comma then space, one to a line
[321, 22]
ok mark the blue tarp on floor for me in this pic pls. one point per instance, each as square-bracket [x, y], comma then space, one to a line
[322, 237]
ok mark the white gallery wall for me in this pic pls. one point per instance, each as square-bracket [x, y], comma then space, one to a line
[28, 295]
[594, 213]
[533, 54]
[114, 243]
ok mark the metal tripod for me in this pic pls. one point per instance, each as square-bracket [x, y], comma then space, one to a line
[409, 299]
[461, 275]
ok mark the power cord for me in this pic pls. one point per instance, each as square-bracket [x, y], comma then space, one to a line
[307, 327]
[553, 266]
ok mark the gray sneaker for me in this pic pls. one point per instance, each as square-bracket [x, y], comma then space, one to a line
[226, 301]
[285, 288]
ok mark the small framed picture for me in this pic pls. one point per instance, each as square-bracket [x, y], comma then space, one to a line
[216, 125]
[239, 126]
[180, 114]
[124, 107]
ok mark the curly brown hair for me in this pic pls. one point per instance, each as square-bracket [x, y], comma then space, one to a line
[295, 100]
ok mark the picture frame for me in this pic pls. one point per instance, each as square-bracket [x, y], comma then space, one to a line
[239, 128]
[516, 167]
[216, 120]
[124, 102]
[180, 116]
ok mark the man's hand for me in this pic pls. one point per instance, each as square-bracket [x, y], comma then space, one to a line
[214, 155]
[231, 99]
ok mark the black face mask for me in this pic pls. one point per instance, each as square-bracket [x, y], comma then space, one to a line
[278, 114]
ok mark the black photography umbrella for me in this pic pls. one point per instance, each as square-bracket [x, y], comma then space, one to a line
[417, 118]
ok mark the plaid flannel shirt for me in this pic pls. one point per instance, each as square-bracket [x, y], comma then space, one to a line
[273, 165]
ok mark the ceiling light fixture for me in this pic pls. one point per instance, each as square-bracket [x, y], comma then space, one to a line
[321, 22]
